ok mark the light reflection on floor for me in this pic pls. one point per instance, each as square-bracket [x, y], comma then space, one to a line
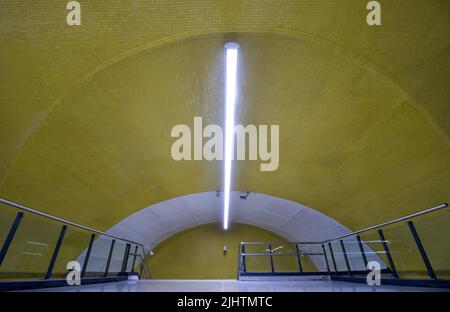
[234, 286]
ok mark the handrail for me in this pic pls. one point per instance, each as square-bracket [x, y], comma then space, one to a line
[283, 254]
[49, 216]
[373, 227]
[332, 266]
[377, 226]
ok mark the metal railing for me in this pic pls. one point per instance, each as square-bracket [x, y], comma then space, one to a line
[102, 246]
[355, 253]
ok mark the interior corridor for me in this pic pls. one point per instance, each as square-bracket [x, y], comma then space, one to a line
[229, 146]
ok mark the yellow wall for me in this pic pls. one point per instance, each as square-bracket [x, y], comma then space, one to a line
[197, 253]
[86, 112]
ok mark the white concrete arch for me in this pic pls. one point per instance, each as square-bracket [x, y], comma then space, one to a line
[289, 219]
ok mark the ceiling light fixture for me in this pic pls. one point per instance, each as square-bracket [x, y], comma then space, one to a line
[231, 50]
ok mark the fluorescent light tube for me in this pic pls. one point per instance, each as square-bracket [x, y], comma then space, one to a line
[231, 50]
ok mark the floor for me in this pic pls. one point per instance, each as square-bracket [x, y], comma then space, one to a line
[234, 286]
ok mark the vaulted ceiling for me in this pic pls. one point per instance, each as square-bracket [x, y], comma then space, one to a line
[86, 111]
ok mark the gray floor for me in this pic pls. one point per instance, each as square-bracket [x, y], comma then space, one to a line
[233, 286]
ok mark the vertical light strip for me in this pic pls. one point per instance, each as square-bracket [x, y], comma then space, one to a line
[230, 102]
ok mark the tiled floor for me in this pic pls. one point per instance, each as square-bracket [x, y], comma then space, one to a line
[234, 286]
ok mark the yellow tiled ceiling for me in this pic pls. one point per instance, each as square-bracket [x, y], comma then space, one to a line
[86, 111]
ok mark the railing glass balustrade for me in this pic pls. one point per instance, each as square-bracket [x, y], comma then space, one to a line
[414, 247]
[35, 247]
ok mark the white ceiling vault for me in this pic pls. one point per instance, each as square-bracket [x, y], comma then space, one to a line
[291, 220]
[286, 218]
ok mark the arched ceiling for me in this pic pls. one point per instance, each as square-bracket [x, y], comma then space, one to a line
[291, 220]
[86, 112]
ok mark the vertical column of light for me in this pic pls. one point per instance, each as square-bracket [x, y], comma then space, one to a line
[231, 50]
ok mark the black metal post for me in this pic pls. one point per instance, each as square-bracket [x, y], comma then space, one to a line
[88, 254]
[422, 251]
[108, 262]
[244, 266]
[271, 259]
[388, 254]
[141, 267]
[239, 262]
[55, 252]
[332, 257]
[326, 259]
[298, 259]
[126, 255]
[9, 238]
[347, 263]
[363, 253]
[134, 257]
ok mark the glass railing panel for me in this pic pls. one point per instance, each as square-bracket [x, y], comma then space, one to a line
[312, 258]
[117, 257]
[7, 218]
[353, 252]
[141, 262]
[99, 256]
[30, 253]
[144, 268]
[283, 249]
[404, 251]
[284, 257]
[74, 243]
[338, 256]
[373, 248]
[257, 264]
[31, 250]
[434, 232]
[256, 248]
[329, 258]
[132, 258]
[285, 263]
